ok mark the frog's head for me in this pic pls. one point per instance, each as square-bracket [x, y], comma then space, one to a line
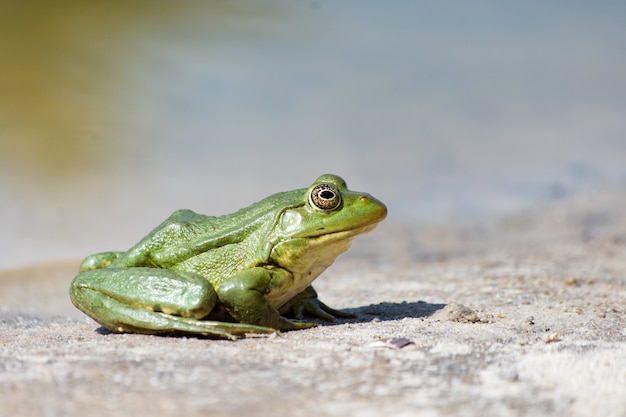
[323, 222]
[328, 207]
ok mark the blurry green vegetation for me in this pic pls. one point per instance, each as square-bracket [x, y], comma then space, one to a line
[64, 62]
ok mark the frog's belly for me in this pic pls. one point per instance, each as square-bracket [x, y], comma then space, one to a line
[305, 263]
[293, 286]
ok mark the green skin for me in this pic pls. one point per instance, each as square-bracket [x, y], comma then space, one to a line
[230, 275]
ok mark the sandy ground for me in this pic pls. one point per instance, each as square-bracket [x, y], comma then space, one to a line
[516, 316]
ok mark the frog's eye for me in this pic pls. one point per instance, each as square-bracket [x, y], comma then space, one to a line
[325, 197]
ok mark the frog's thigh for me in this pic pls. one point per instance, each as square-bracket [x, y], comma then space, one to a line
[245, 297]
[175, 293]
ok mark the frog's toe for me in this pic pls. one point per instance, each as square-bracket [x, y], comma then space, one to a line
[319, 310]
[313, 307]
[287, 325]
[334, 313]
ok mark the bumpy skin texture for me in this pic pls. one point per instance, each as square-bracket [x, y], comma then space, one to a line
[230, 275]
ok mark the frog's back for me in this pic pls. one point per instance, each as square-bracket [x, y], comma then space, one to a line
[186, 234]
[211, 232]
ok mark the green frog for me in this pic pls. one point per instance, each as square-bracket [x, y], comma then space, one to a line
[229, 275]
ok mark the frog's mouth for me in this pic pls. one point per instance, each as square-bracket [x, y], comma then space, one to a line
[323, 233]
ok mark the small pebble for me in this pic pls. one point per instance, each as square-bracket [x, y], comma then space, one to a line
[393, 343]
[552, 337]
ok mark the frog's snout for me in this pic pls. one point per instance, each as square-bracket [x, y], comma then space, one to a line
[376, 208]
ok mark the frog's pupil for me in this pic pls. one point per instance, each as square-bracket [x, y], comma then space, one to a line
[327, 195]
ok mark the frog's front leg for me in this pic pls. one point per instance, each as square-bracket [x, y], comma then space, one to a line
[151, 300]
[307, 303]
[246, 297]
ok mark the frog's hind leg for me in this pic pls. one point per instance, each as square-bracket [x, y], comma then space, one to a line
[121, 318]
[152, 301]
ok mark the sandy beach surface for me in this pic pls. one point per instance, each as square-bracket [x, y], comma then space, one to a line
[522, 315]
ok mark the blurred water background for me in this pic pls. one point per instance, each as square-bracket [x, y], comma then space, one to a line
[113, 114]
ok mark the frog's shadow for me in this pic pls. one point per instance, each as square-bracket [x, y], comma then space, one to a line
[387, 311]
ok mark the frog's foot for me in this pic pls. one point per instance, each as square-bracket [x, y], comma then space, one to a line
[307, 303]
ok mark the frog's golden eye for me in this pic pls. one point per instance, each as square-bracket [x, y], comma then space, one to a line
[325, 197]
